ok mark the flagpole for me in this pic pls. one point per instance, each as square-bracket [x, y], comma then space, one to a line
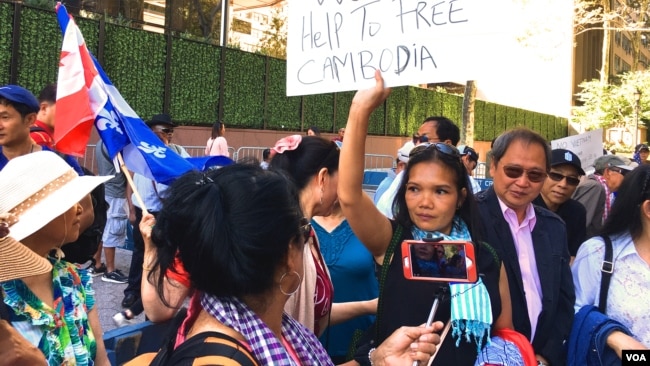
[130, 180]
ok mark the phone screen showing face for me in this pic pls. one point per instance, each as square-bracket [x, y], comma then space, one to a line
[442, 261]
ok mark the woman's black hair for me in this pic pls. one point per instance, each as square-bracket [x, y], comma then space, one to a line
[312, 154]
[626, 210]
[468, 210]
[216, 129]
[314, 129]
[231, 227]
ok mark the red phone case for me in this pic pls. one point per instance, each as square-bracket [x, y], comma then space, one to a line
[470, 261]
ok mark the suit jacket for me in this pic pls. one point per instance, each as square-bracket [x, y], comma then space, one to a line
[552, 256]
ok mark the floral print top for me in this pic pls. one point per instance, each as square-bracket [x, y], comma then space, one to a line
[62, 332]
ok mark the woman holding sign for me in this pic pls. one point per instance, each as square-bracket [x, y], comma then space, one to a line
[434, 201]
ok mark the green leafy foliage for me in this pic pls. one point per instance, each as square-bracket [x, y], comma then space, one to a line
[343, 102]
[135, 62]
[319, 110]
[422, 103]
[281, 111]
[6, 13]
[479, 119]
[274, 42]
[244, 89]
[613, 105]
[194, 82]
[39, 49]
[397, 111]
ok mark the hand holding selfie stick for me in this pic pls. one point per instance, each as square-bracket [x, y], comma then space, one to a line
[434, 308]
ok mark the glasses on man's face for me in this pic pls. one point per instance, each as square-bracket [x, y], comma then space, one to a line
[166, 130]
[534, 175]
[572, 181]
[439, 146]
[618, 170]
[305, 230]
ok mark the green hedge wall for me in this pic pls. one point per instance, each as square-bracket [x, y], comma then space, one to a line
[194, 85]
[244, 90]
[319, 110]
[39, 49]
[397, 112]
[6, 23]
[254, 86]
[280, 109]
[135, 62]
[343, 101]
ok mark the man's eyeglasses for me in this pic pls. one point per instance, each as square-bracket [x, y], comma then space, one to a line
[167, 130]
[572, 181]
[514, 172]
[619, 170]
[440, 146]
[305, 230]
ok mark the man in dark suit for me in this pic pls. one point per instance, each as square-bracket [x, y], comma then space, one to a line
[531, 242]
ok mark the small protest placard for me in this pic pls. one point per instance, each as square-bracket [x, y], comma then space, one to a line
[588, 146]
[336, 45]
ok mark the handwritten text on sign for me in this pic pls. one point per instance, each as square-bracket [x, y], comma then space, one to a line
[588, 146]
[337, 45]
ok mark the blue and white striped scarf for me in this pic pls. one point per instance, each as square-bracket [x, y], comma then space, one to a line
[471, 311]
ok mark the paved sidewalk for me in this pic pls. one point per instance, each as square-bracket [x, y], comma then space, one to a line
[109, 295]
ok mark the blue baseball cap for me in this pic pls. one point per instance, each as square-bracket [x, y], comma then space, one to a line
[19, 95]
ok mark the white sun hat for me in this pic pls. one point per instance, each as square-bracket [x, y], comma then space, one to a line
[39, 187]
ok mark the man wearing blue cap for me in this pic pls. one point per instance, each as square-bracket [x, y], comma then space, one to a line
[560, 184]
[18, 111]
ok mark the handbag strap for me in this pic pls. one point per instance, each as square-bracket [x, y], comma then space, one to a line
[219, 345]
[397, 236]
[607, 268]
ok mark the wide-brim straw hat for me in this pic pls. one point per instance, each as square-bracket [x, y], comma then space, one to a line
[39, 187]
[18, 261]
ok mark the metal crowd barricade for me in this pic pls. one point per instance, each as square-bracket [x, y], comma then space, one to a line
[249, 152]
[479, 171]
[372, 161]
[378, 161]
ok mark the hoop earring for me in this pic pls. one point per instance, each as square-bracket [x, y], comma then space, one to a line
[290, 293]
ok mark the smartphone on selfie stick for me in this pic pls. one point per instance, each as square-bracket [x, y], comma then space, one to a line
[438, 260]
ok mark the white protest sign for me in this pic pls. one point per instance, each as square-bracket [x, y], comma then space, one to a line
[588, 146]
[336, 45]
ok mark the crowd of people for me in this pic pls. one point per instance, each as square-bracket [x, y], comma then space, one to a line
[289, 261]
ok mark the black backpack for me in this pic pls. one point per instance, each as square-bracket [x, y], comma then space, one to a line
[83, 250]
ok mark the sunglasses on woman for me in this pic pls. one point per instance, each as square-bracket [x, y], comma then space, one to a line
[572, 181]
[514, 172]
[440, 146]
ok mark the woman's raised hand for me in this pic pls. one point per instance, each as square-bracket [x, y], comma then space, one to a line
[368, 100]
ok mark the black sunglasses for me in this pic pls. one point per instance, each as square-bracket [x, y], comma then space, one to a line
[572, 181]
[515, 172]
[305, 229]
[167, 130]
[440, 146]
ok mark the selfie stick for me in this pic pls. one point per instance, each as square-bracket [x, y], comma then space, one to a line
[434, 308]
